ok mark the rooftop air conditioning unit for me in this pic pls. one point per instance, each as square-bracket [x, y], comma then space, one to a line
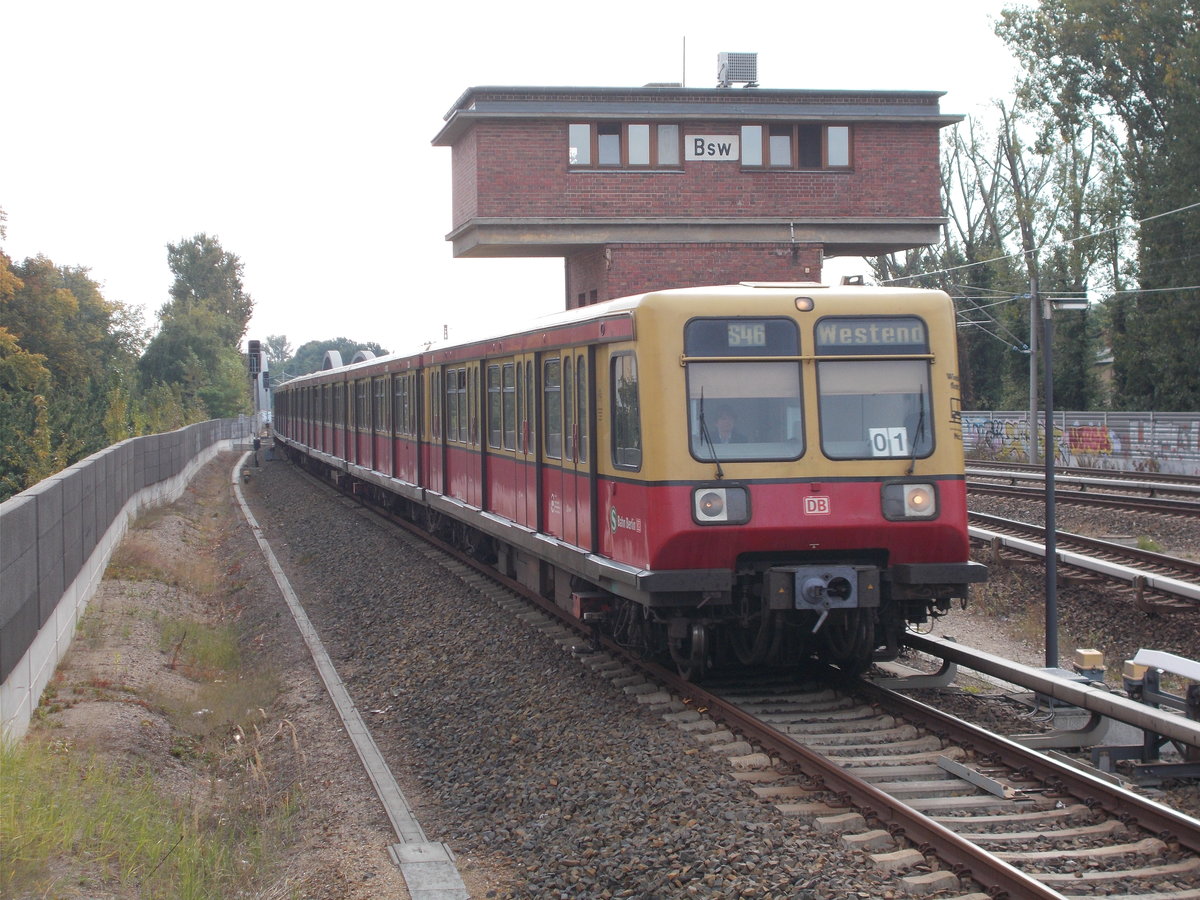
[737, 68]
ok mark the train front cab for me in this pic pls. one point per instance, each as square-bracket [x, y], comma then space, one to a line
[797, 480]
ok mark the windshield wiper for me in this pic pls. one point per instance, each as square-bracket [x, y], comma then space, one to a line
[912, 463]
[706, 439]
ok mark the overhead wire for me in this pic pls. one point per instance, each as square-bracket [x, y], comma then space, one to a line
[1066, 242]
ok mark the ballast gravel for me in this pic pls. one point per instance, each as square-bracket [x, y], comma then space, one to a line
[513, 752]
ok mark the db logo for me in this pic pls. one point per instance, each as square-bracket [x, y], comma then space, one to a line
[816, 506]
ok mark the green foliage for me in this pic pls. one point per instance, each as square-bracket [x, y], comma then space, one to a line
[208, 277]
[1135, 65]
[310, 356]
[278, 350]
[71, 380]
[197, 352]
[64, 349]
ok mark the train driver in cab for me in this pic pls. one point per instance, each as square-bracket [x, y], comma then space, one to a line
[727, 432]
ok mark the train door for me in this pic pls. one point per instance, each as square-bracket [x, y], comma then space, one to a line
[339, 419]
[552, 446]
[435, 448]
[381, 424]
[476, 469]
[577, 449]
[566, 418]
[527, 442]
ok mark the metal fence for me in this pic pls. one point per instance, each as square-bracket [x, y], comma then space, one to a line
[1167, 443]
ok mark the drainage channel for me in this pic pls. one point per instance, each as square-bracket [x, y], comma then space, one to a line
[428, 867]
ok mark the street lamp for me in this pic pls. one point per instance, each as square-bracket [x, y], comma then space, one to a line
[1049, 304]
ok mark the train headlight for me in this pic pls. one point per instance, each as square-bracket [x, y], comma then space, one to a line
[724, 505]
[909, 501]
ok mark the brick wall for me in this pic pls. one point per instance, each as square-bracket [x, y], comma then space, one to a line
[519, 168]
[620, 270]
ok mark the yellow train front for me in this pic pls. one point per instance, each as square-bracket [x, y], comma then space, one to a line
[758, 472]
[786, 472]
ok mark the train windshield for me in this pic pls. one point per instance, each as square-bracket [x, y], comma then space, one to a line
[874, 407]
[743, 399]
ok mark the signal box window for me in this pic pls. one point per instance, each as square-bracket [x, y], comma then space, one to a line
[873, 406]
[623, 145]
[744, 400]
[627, 416]
[796, 146]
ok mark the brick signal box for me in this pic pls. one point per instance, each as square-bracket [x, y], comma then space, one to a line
[664, 186]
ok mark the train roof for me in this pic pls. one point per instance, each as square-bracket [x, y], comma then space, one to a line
[623, 307]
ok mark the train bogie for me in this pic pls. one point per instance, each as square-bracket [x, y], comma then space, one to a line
[758, 472]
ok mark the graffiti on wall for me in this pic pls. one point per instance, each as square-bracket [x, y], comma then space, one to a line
[1140, 442]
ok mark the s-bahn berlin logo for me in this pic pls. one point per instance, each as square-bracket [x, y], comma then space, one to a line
[616, 521]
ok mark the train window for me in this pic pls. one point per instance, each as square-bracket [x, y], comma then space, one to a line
[582, 407]
[521, 407]
[400, 404]
[435, 403]
[530, 436]
[495, 401]
[362, 411]
[627, 415]
[451, 405]
[380, 408]
[875, 408]
[474, 435]
[872, 408]
[510, 408]
[568, 403]
[552, 407]
[744, 407]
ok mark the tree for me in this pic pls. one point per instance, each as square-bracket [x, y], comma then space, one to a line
[200, 333]
[278, 350]
[311, 355]
[89, 345]
[25, 451]
[1136, 64]
[208, 276]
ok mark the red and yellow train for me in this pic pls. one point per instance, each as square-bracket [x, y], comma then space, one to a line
[764, 472]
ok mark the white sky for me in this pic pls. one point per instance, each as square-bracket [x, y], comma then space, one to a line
[299, 133]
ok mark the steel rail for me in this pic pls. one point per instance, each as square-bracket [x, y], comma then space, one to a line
[1157, 505]
[1153, 816]
[999, 878]
[1085, 481]
[1173, 587]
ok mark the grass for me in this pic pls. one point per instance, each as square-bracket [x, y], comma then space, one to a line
[207, 822]
[61, 804]
[200, 648]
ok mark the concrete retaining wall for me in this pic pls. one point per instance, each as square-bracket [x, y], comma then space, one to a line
[57, 537]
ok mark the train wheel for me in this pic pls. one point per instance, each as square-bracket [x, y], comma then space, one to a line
[848, 639]
[691, 659]
[754, 643]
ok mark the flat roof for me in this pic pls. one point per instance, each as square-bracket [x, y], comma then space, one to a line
[663, 103]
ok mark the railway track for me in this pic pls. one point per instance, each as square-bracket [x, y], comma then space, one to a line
[1171, 495]
[1036, 471]
[931, 800]
[1158, 582]
[940, 804]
